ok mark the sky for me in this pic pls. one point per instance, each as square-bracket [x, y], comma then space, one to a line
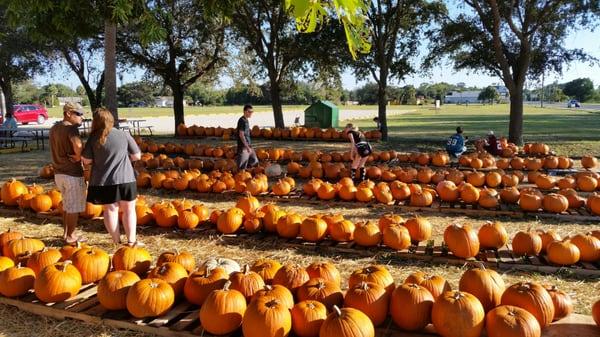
[587, 40]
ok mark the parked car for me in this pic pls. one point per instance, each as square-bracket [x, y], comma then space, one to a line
[27, 113]
[573, 104]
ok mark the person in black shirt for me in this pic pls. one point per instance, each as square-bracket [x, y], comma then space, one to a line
[360, 150]
[246, 156]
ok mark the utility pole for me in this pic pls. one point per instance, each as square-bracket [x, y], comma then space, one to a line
[2, 103]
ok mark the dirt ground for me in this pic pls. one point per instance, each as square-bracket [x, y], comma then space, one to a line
[24, 166]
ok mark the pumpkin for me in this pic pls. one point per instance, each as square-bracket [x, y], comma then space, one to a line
[248, 204]
[16, 281]
[530, 202]
[166, 216]
[387, 220]
[313, 229]
[324, 270]
[492, 235]
[563, 253]
[421, 199]
[291, 277]
[45, 257]
[342, 231]
[67, 251]
[508, 320]
[223, 310]
[547, 237]
[230, 221]
[277, 291]
[347, 322]
[563, 304]
[93, 264]
[419, 229]
[447, 191]
[200, 283]
[113, 288]
[596, 312]
[11, 191]
[266, 268]
[57, 282]
[589, 162]
[185, 259]
[410, 306]
[469, 193]
[91, 211]
[173, 273]
[436, 285]
[533, 298]
[593, 203]
[367, 234]
[7, 236]
[6, 263]
[527, 243]
[510, 195]
[272, 215]
[40, 203]
[318, 289]
[135, 259]
[187, 220]
[396, 237]
[555, 203]
[266, 316]
[461, 240]
[19, 248]
[288, 226]
[229, 265]
[307, 318]
[246, 282]
[373, 273]
[457, 313]
[150, 298]
[589, 247]
[370, 298]
[485, 284]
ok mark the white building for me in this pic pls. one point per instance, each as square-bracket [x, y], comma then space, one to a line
[63, 100]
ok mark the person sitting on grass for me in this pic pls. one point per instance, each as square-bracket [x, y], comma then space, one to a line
[492, 145]
[455, 146]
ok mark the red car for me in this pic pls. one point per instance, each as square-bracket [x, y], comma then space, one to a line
[27, 113]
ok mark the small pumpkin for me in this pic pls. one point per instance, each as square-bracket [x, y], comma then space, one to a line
[266, 268]
[563, 304]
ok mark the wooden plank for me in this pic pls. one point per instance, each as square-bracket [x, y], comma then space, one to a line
[89, 303]
[42, 310]
[186, 321]
[176, 311]
[82, 296]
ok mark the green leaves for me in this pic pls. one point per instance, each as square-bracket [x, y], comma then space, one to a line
[311, 14]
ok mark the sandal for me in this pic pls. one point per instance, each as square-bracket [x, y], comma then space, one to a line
[80, 239]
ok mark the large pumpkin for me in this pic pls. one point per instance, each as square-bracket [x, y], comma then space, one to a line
[200, 283]
[458, 314]
[461, 240]
[93, 263]
[307, 318]
[492, 235]
[419, 229]
[508, 320]
[150, 298]
[57, 282]
[173, 273]
[266, 268]
[291, 277]
[184, 258]
[370, 298]
[374, 273]
[16, 281]
[113, 288]
[223, 310]
[533, 298]
[347, 322]
[485, 284]
[45, 257]
[11, 191]
[135, 259]
[411, 306]
[246, 282]
[266, 316]
[527, 243]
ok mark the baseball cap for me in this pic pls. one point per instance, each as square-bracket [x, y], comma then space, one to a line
[71, 106]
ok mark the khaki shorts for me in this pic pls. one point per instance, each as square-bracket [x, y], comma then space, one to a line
[73, 191]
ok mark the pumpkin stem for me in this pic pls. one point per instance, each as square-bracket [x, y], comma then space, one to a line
[337, 310]
[457, 295]
[246, 269]
[363, 285]
[65, 264]
[268, 287]
[272, 303]
[227, 285]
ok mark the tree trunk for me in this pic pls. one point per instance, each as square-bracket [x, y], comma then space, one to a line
[178, 111]
[515, 125]
[276, 103]
[8, 95]
[382, 107]
[2, 103]
[110, 68]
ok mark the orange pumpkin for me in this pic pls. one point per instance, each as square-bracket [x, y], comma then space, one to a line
[533, 298]
[411, 306]
[461, 240]
[508, 320]
[457, 313]
[307, 318]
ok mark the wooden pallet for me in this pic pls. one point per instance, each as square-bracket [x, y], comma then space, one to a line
[183, 321]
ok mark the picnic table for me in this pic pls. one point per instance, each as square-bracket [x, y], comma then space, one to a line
[8, 137]
[134, 126]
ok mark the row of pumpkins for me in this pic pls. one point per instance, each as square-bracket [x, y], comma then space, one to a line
[269, 133]
[268, 299]
[391, 230]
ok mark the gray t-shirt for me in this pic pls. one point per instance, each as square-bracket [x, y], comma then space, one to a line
[111, 164]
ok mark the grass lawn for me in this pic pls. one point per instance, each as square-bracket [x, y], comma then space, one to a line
[572, 132]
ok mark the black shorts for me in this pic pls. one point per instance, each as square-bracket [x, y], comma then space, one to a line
[103, 195]
[364, 149]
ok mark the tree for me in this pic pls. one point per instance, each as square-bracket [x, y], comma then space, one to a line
[26, 92]
[489, 94]
[514, 40]
[191, 46]
[20, 58]
[204, 94]
[134, 93]
[398, 27]
[581, 88]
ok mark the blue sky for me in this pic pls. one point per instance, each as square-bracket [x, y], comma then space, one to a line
[586, 40]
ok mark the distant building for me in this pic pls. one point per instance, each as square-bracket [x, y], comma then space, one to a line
[165, 102]
[462, 97]
[503, 91]
[63, 100]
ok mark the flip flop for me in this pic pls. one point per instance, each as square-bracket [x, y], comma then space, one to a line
[79, 239]
[136, 244]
